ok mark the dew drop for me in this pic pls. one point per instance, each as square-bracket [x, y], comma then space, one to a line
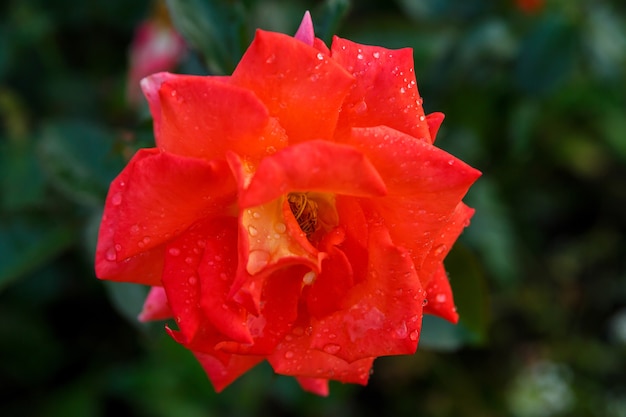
[189, 260]
[118, 247]
[257, 260]
[256, 215]
[111, 255]
[134, 229]
[451, 162]
[402, 90]
[320, 56]
[424, 302]
[376, 54]
[116, 200]
[280, 227]
[440, 249]
[331, 348]
[252, 230]
[414, 335]
[309, 278]
[192, 280]
[422, 118]
[441, 298]
[289, 354]
[174, 251]
[270, 59]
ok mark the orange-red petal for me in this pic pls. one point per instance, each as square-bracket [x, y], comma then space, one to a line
[157, 196]
[155, 307]
[439, 296]
[300, 86]
[205, 116]
[313, 166]
[383, 314]
[223, 374]
[385, 92]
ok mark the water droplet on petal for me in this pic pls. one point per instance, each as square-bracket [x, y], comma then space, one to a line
[289, 354]
[252, 230]
[192, 280]
[174, 251]
[270, 59]
[331, 348]
[280, 227]
[116, 200]
[111, 255]
[320, 56]
[309, 278]
[256, 215]
[376, 54]
[414, 335]
[440, 249]
[359, 56]
[189, 260]
[440, 298]
[425, 301]
[451, 162]
[257, 260]
[134, 228]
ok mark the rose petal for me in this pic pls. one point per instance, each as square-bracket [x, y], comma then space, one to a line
[434, 121]
[439, 296]
[216, 271]
[425, 186]
[300, 86]
[293, 356]
[385, 92]
[204, 117]
[277, 313]
[313, 166]
[156, 197]
[305, 31]
[221, 375]
[318, 386]
[443, 241]
[155, 307]
[382, 315]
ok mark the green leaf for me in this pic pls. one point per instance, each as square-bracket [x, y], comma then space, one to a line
[547, 56]
[22, 183]
[471, 294]
[216, 29]
[79, 160]
[27, 242]
[331, 13]
[127, 299]
[472, 301]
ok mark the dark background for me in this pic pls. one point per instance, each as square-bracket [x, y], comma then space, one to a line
[534, 97]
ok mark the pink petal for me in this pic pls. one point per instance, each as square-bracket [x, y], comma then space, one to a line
[155, 307]
[305, 32]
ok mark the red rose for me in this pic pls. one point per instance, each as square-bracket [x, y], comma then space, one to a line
[295, 212]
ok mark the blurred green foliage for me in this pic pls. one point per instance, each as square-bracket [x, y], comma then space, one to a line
[537, 101]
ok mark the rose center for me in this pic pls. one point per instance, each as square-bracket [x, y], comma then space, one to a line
[305, 211]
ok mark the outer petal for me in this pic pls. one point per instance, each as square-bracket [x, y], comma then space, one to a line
[156, 197]
[205, 116]
[317, 386]
[382, 315]
[313, 166]
[439, 296]
[223, 374]
[150, 87]
[155, 307]
[425, 186]
[302, 87]
[293, 356]
[385, 92]
[444, 239]
[434, 121]
[305, 32]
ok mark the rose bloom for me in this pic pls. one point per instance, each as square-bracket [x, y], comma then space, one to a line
[295, 211]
